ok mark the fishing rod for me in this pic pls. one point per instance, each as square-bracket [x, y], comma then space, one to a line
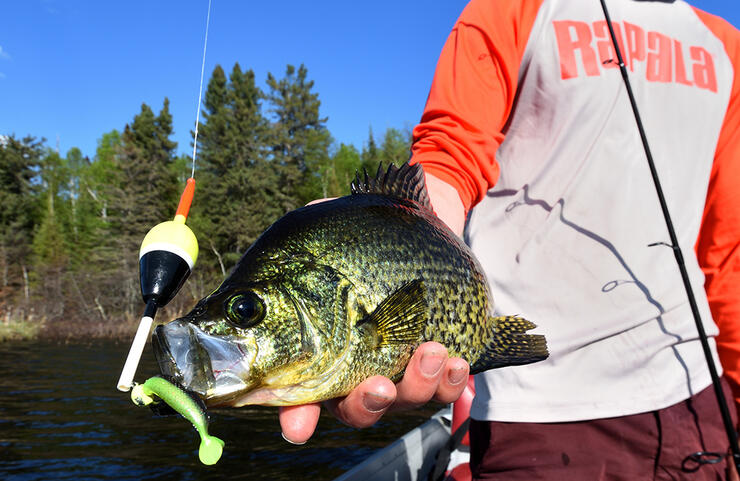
[167, 256]
[699, 457]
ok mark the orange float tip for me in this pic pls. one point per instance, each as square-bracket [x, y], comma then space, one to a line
[186, 199]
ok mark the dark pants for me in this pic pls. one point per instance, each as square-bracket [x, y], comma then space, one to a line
[651, 446]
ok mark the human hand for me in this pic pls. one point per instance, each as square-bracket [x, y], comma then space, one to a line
[430, 375]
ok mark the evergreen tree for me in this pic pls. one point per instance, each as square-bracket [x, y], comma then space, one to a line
[145, 192]
[238, 185]
[19, 161]
[96, 258]
[300, 140]
[338, 173]
[146, 189]
[50, 243]
[396, 147]
[75, 164]
[371, 156]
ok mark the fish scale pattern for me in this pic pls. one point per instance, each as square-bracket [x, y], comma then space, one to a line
[328, 273]
[380, 244]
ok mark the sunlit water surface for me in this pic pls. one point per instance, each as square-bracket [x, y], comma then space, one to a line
[61, 417]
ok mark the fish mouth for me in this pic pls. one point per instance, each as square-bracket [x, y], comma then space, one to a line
[213, 367]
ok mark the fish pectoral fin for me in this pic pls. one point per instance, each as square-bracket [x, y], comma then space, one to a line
[400, 318]
[510, 345]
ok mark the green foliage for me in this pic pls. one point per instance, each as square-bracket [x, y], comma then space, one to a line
[299, 137]
[145, 189]
[92, 280]
[49, 242]
[371, 156]
[337, 174]
[71, 226]
[18, 330]
[143, 192]
[19, 163]
[236, 182]
[396, 147]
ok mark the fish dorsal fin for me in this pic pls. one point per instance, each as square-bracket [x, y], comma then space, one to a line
[405, 182]
[400, 318]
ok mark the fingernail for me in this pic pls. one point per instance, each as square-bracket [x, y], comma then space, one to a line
[456, 375]
[431, 363]
[375, 402]
[292, 442]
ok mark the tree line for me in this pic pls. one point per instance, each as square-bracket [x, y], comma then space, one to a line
[72, 226]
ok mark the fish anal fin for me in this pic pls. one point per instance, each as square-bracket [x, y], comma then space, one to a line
[511, 345]
[400, 318]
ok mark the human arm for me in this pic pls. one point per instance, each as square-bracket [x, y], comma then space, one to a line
[718, 245]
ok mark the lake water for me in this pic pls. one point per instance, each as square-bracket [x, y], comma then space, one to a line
[61, 417]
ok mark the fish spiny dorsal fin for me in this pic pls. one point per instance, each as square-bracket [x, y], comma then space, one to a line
[400, 318]
[405, 182]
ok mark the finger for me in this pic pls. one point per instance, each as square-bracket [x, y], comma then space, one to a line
[422, 377]
[453, 380]
[366, 403]
[299, 422]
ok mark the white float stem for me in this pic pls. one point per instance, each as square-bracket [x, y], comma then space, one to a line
[134, 354]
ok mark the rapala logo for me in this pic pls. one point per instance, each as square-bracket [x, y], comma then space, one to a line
[587, 48]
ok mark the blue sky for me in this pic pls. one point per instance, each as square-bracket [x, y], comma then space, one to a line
[75, 69]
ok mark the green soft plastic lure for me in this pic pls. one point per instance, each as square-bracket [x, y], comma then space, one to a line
[178, 399]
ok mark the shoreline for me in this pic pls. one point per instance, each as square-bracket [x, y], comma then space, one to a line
[66, 331]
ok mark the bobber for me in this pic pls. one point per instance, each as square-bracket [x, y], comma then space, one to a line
[166, 259]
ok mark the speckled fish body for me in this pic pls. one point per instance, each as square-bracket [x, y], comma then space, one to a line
[336, 292]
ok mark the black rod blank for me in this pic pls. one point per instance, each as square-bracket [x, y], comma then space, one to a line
[724, 411]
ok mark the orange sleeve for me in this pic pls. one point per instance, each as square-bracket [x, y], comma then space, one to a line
[472, 94]
[718, 246]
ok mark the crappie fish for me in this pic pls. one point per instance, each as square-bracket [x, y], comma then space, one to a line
[335, 292]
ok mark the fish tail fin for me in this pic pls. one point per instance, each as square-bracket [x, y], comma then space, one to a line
[510, 345]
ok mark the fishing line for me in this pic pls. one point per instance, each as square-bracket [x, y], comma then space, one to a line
[699, 457]
[167, 256]
[200, 89]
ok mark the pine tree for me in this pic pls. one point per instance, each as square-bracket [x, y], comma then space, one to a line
[145, 191]
[51, 244]
[371, 156]
[19, 161]
[300, 140]
[236, 198]
[337, 174]
[396, 147]
[96, 257]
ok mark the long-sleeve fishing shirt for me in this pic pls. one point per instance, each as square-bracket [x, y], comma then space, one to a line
[529, 119]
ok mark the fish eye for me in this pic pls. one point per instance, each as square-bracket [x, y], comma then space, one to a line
[245, 310]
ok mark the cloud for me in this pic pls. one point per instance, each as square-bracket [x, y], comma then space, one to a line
[2, 75]
[3, 53]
